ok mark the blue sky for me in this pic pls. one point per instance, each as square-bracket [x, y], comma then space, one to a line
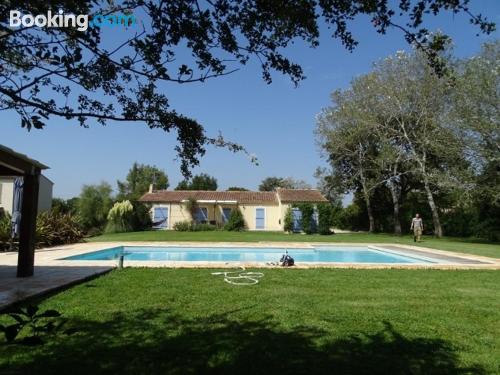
[274, 121]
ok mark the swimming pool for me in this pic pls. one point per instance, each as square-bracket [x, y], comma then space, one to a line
[330, 254]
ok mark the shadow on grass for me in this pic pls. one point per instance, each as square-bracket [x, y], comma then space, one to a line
[155, 342]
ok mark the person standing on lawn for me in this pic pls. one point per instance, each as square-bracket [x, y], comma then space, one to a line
[418, 226]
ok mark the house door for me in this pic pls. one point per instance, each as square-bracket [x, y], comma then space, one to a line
[160, 217]
[260, 218]
[297, 219]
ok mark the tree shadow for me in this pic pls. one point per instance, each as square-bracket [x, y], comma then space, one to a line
[158, 342]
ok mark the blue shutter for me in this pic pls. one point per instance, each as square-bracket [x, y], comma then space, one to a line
[260, 218]
[160, 217]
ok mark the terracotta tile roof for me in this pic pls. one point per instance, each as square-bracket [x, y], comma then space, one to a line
[301, 196]
[243, 197]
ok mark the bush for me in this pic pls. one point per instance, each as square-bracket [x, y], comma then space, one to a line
[54, 228]
[202, 227]
[182, 226]
[187, 226]
[350, 218]
[120, 217]
[307, 220]
[288, 222]
[5, 230]
[325, 218]
[141, 218]
[236, 222]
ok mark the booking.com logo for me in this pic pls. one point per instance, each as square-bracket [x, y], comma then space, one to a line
[81, 22]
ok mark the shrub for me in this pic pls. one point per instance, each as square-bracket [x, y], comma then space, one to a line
[351, 217]
[324, 218]
[5, 230]
[182, 226]
[288, 222]
[187, 226]
[54, 228]
[120, 217]
[236, 221]
[141, 219]
[202, 227]
[307, 220]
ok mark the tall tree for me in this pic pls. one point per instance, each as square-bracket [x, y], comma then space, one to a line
[76, 74]
[272, 183]
[477, 114]
[199, 182]
[94, 204]
[138, 179]
[418, 102]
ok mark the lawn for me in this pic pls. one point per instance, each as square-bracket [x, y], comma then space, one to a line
[463, 245]
[323, 321]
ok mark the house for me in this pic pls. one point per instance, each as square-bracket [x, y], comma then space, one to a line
[7, 194]
[262, 210]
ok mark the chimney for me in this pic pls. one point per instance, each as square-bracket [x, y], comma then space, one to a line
[151, 186]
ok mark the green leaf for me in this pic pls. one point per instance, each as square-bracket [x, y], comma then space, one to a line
[18, 318]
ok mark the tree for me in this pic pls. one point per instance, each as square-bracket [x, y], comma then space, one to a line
[477, 114]
[288, 221]
[325, 218]
[71, 74]
[199, 182]
[65, 206]
[345, 132]
[138, 179]
[391, 123]
[417, 102]
[120, 217]
[94, 204]
[236, 188]
[272, 183]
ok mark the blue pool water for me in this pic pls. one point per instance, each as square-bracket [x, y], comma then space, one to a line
[338, 254]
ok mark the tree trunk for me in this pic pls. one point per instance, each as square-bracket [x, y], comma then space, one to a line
[371, 219]
[438, 231]
[370, 216]
[395, 203]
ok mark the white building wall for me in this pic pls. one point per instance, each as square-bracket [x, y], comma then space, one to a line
[7, 194]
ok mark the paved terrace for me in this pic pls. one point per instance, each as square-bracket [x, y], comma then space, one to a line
[53, 273]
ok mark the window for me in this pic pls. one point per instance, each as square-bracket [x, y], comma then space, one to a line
[160, 217]
[260, 218]
[226, 213]
[201, 215]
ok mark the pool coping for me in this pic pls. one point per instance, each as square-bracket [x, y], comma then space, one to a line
[52, 256]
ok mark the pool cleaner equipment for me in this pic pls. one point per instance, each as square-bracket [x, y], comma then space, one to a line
[286, 260]
[240, 277]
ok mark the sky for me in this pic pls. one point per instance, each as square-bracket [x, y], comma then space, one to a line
[275, 122]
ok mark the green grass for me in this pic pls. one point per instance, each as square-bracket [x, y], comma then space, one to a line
[463, 245]
[323, 321]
